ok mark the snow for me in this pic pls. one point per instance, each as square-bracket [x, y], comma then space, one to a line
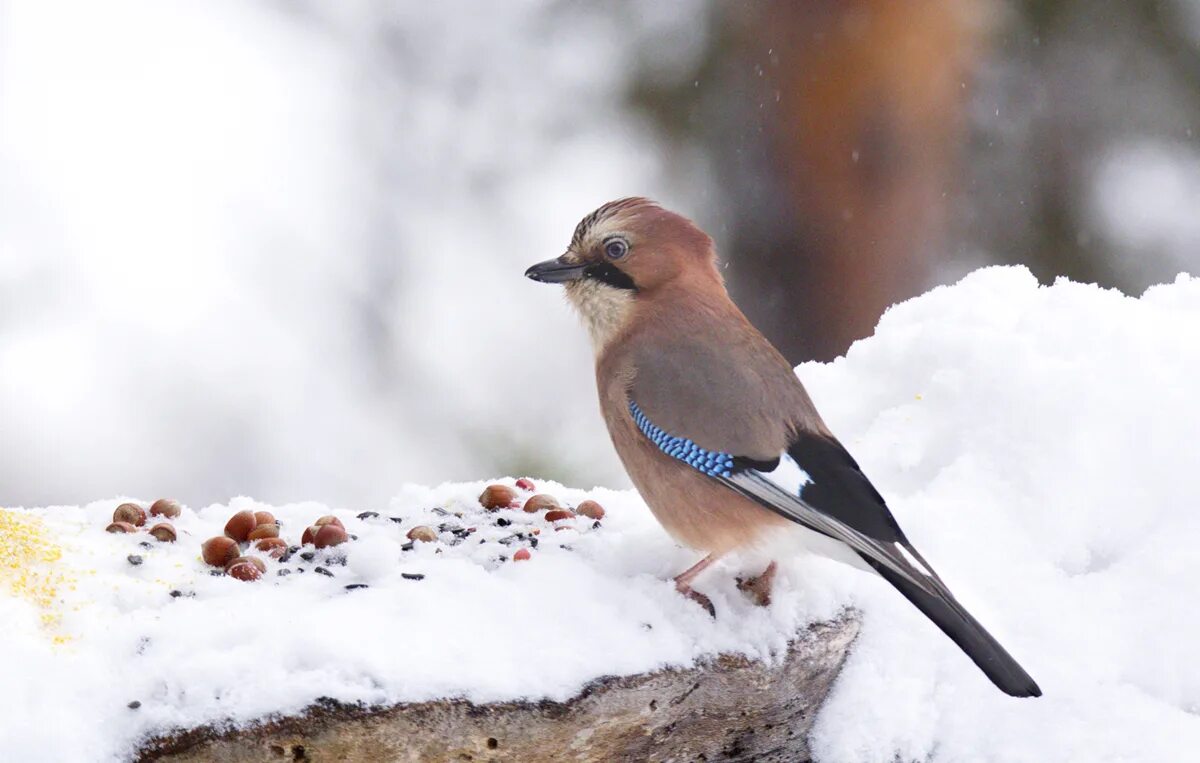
[1037, 444]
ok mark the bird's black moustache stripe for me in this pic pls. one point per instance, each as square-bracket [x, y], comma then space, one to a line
[610, 274]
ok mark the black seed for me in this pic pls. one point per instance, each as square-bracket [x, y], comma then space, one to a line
[508, 539]
[300, 569]
[284, 571]
[503, 558]
[216, 573]
[134, 559]
[308, 556]
[407, 546]
[353, 537]
[356, 586]
[293, 549]
[533, 542]
[323, 571]
[134, 705]
[596, 525]
[502, 522]
[177, 593]
[397, 520]
[412, 576]
[440, 511]
[146, 544]
[368, 515]
[286, 557]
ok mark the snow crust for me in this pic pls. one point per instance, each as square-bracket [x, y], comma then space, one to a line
[1038, 445]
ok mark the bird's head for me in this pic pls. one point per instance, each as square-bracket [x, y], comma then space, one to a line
[627, 251]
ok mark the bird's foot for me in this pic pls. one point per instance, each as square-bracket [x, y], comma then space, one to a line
[759, 588]
[696, 596]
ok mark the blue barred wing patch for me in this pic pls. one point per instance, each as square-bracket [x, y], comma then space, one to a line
[714, 463]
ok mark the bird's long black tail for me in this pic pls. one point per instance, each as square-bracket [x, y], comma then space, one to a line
[940, 606]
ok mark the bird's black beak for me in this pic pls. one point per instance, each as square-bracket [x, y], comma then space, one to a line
[556, 271]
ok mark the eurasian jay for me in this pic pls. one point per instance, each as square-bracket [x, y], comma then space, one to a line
[715, 429]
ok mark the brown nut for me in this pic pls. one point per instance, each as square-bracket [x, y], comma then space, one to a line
[591, 510]
[541, 502]
[120, 527]
[522, 555]
[264, 531]
[330, 535]
[239, 525]
[272, 547]
[309, 535]
[165, 507]
[526, 484]
[264, 518]
[219, 551]
[163, 532]
[423, 534]
[499, 497]
[329, 519]
[131, 513]
[558, 514]
[259, 563]
[243, 571]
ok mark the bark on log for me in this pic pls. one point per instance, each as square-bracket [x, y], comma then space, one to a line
[729, 709]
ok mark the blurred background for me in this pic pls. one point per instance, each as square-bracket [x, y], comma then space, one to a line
[275, 247]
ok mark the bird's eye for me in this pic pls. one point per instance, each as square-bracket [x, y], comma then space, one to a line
[616, 248]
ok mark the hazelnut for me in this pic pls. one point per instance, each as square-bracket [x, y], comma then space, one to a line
[309, 535]
[264, 518]
[329, 519]
[239, 525]
[591, 510]
[163, 532]
[558, 514]
[270, 530]
[423, 534]
[272, 547]
[244, 571]
[165, 507]
[259, 563]
[498, 497]
[522, 555]
[330, 535]
[131, 513]
[219, 551]
[120, 527]
[526, 484]
[541, 502]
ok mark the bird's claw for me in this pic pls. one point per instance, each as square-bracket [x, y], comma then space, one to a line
[697, 597]
[759, 588]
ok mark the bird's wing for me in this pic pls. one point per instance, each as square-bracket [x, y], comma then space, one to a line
[816, 483]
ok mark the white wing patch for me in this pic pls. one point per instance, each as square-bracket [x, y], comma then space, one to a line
[912, 560]
[788, 475]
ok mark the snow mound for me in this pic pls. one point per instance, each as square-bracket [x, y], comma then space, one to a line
[1038, 444]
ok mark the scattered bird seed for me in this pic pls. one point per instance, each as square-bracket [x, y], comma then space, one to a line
[356, 586]
[596, 525]
[284, 571]
[440, 511]
[177, 593]
[323, 571]
[145, 544]
[216, 573]
[412, 576]
[397, 520]
[308, 556]
[368, 515]
[502, 522]
[353, 537]
[134, 705]
[134, 559]
[407, 546]
[533, 542]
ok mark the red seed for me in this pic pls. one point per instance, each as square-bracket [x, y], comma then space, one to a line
[330, 535]
[522, 555]
[131, 513]
[240, 525]
[165, 507]
[591, 510]
[526, 484]
[219, 551]
[541, 502]
[498, 497]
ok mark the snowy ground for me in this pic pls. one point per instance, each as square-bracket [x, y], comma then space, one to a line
[1038, 445]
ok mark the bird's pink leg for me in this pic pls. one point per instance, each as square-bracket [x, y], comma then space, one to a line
[759, 588]
[684, 580]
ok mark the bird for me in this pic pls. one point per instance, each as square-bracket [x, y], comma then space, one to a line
[716, 430]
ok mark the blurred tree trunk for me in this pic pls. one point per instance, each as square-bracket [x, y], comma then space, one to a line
[866, 129]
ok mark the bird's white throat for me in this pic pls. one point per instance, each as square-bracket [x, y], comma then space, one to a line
[604, 309]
